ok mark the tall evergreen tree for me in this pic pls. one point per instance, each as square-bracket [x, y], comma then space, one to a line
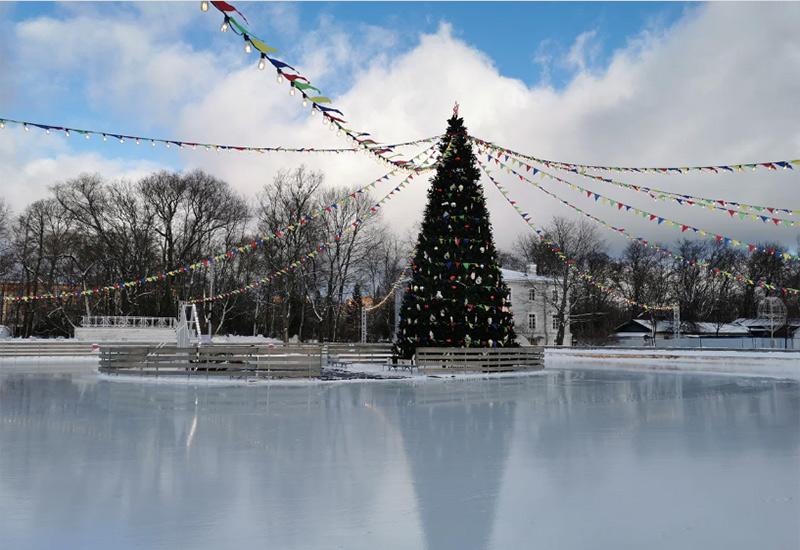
[456, 297]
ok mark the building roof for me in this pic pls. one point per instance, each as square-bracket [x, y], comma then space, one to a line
[764, 323]
[511, 276]
[645, 326]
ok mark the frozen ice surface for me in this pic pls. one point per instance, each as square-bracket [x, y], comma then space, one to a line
[567, 459]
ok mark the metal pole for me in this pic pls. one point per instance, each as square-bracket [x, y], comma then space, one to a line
[676, 322]
[363, 325]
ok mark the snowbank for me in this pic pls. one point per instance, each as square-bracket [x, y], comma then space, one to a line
[782, 364]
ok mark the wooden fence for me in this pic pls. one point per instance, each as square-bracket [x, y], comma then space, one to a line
[226, 360]
[44, 348]
[463, 360]
[343, 352]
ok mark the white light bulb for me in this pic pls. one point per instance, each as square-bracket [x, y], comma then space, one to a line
[47, 131]
[224, 27]
[2, 124]
[291, 90]
[26, 127]
[87, 135]
[313, 111]
[262, 63]
[305, 101]
[280, 78]
[66, 133]
[247, 47]
[121, 140]
[204, 6]
[152, 143]
[105, 137]
[137, 141]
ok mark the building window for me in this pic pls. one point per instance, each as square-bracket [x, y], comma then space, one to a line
[531, 294]
[509, 294]
[531, 321]
[555, 322]
[555, 295]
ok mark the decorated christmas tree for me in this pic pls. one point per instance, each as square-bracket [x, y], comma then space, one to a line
[456, 296]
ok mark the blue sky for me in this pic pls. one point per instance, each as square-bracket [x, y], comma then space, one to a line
[525, 41]
[601, 83]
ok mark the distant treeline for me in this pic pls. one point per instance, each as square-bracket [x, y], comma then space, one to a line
[91, 232]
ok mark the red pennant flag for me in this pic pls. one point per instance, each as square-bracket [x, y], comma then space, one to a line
[684, 228]
[224, 6]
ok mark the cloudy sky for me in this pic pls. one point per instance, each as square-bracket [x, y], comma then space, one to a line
[621, 84]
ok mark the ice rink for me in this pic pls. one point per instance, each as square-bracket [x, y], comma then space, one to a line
[563, 459]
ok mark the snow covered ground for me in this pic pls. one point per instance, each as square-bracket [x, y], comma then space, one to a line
[782, 364]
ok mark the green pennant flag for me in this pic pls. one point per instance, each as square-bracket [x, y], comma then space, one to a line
[320, 99]
[305, 86]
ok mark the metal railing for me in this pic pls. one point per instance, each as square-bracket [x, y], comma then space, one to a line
[126, 321]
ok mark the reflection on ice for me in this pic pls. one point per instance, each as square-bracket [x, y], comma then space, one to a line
[568, 459]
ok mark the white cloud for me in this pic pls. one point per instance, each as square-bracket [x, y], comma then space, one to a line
[719, 86]
[584, 51]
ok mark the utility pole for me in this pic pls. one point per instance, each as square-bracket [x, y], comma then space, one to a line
[363, 324]
[210, 304]
[676, 321]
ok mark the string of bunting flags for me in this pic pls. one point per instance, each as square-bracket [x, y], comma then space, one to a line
[735, 210]
[619, 230]
[373, 211]
[184, 144]
[223, 256]
[397, 284]
[555, 248]
[300, 85]
[649, 216]
[740, 167]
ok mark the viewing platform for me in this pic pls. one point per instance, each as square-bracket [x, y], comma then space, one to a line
[124, 328]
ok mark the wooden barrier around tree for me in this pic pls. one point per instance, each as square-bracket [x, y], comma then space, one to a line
[465, 360]
[344, 352]
[231, 360]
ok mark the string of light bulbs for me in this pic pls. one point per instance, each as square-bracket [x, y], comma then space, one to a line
[227, 255]
[664, 251]
[122, 138]
[556, 249]
[373, 211]
[301, 85]
[717, 168]
[656, 218]
[734, 209]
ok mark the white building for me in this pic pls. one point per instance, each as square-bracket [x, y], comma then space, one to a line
[533, 302]
[533, 299]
